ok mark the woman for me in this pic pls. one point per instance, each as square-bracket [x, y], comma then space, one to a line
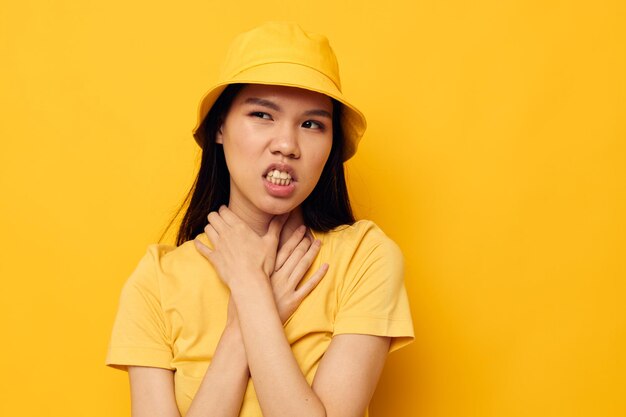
[276, 302]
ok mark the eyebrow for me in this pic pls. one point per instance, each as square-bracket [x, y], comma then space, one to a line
[271, 105]
[262, 102]
[320, 112]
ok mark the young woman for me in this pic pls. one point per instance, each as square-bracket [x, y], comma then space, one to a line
[275, 301]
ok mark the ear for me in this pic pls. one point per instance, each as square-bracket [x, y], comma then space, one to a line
[219, 137]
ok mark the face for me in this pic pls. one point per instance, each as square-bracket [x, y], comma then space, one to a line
[276, 141]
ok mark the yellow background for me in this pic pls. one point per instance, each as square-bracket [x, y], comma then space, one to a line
[495, 157]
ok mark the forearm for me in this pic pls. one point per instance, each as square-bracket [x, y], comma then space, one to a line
[280, 386]
[224, 384]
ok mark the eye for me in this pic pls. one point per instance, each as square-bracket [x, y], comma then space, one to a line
[261, 115]
[312, 124]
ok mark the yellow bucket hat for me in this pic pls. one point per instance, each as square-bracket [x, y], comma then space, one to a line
[280, 53]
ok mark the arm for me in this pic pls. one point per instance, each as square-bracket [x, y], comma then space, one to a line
[220, 393]
[224, 384]
[349, 372]
[241, 259]
[152, 392]
[345, 380]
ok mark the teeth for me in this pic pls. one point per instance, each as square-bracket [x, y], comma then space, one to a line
[279, 178]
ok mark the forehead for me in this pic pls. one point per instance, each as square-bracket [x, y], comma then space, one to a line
[291, 96]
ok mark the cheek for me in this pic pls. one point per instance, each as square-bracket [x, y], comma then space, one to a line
[321, 156]
[241, 144]
[325, 154]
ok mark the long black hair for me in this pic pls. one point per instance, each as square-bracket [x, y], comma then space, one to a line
[324, 209]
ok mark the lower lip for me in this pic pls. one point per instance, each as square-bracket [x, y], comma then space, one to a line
[277, 190]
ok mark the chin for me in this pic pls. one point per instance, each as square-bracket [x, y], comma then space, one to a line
[276, 209]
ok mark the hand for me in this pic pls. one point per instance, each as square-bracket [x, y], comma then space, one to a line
[293, 261]
[238, 252]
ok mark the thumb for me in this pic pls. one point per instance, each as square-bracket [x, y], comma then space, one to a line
[276, 225]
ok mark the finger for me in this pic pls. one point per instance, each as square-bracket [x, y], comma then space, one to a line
[217, 222]
[202, 248]
[212, 234]
[228, 216]
[288, 247]
[315, 279]
[290, 265]
[304, 263]
[276, 225]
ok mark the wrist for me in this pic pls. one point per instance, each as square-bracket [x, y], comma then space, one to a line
[249, 284]
[251, 295]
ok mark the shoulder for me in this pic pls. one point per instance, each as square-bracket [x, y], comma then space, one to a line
[170, 258]
[164, 253]
[361, 249]
[166, 261]
[364, 237]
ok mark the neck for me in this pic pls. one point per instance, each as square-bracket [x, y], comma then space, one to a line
[259, 221]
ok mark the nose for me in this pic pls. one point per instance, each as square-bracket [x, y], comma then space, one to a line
[285, 142]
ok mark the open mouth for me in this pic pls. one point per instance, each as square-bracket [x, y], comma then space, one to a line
[279, 177]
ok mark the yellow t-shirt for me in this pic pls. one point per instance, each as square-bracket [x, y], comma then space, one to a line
[173, 308]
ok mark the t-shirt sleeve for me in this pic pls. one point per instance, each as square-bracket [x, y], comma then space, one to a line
[140, 335]
[374, 299]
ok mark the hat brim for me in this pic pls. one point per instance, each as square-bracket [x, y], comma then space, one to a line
[290, 75]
